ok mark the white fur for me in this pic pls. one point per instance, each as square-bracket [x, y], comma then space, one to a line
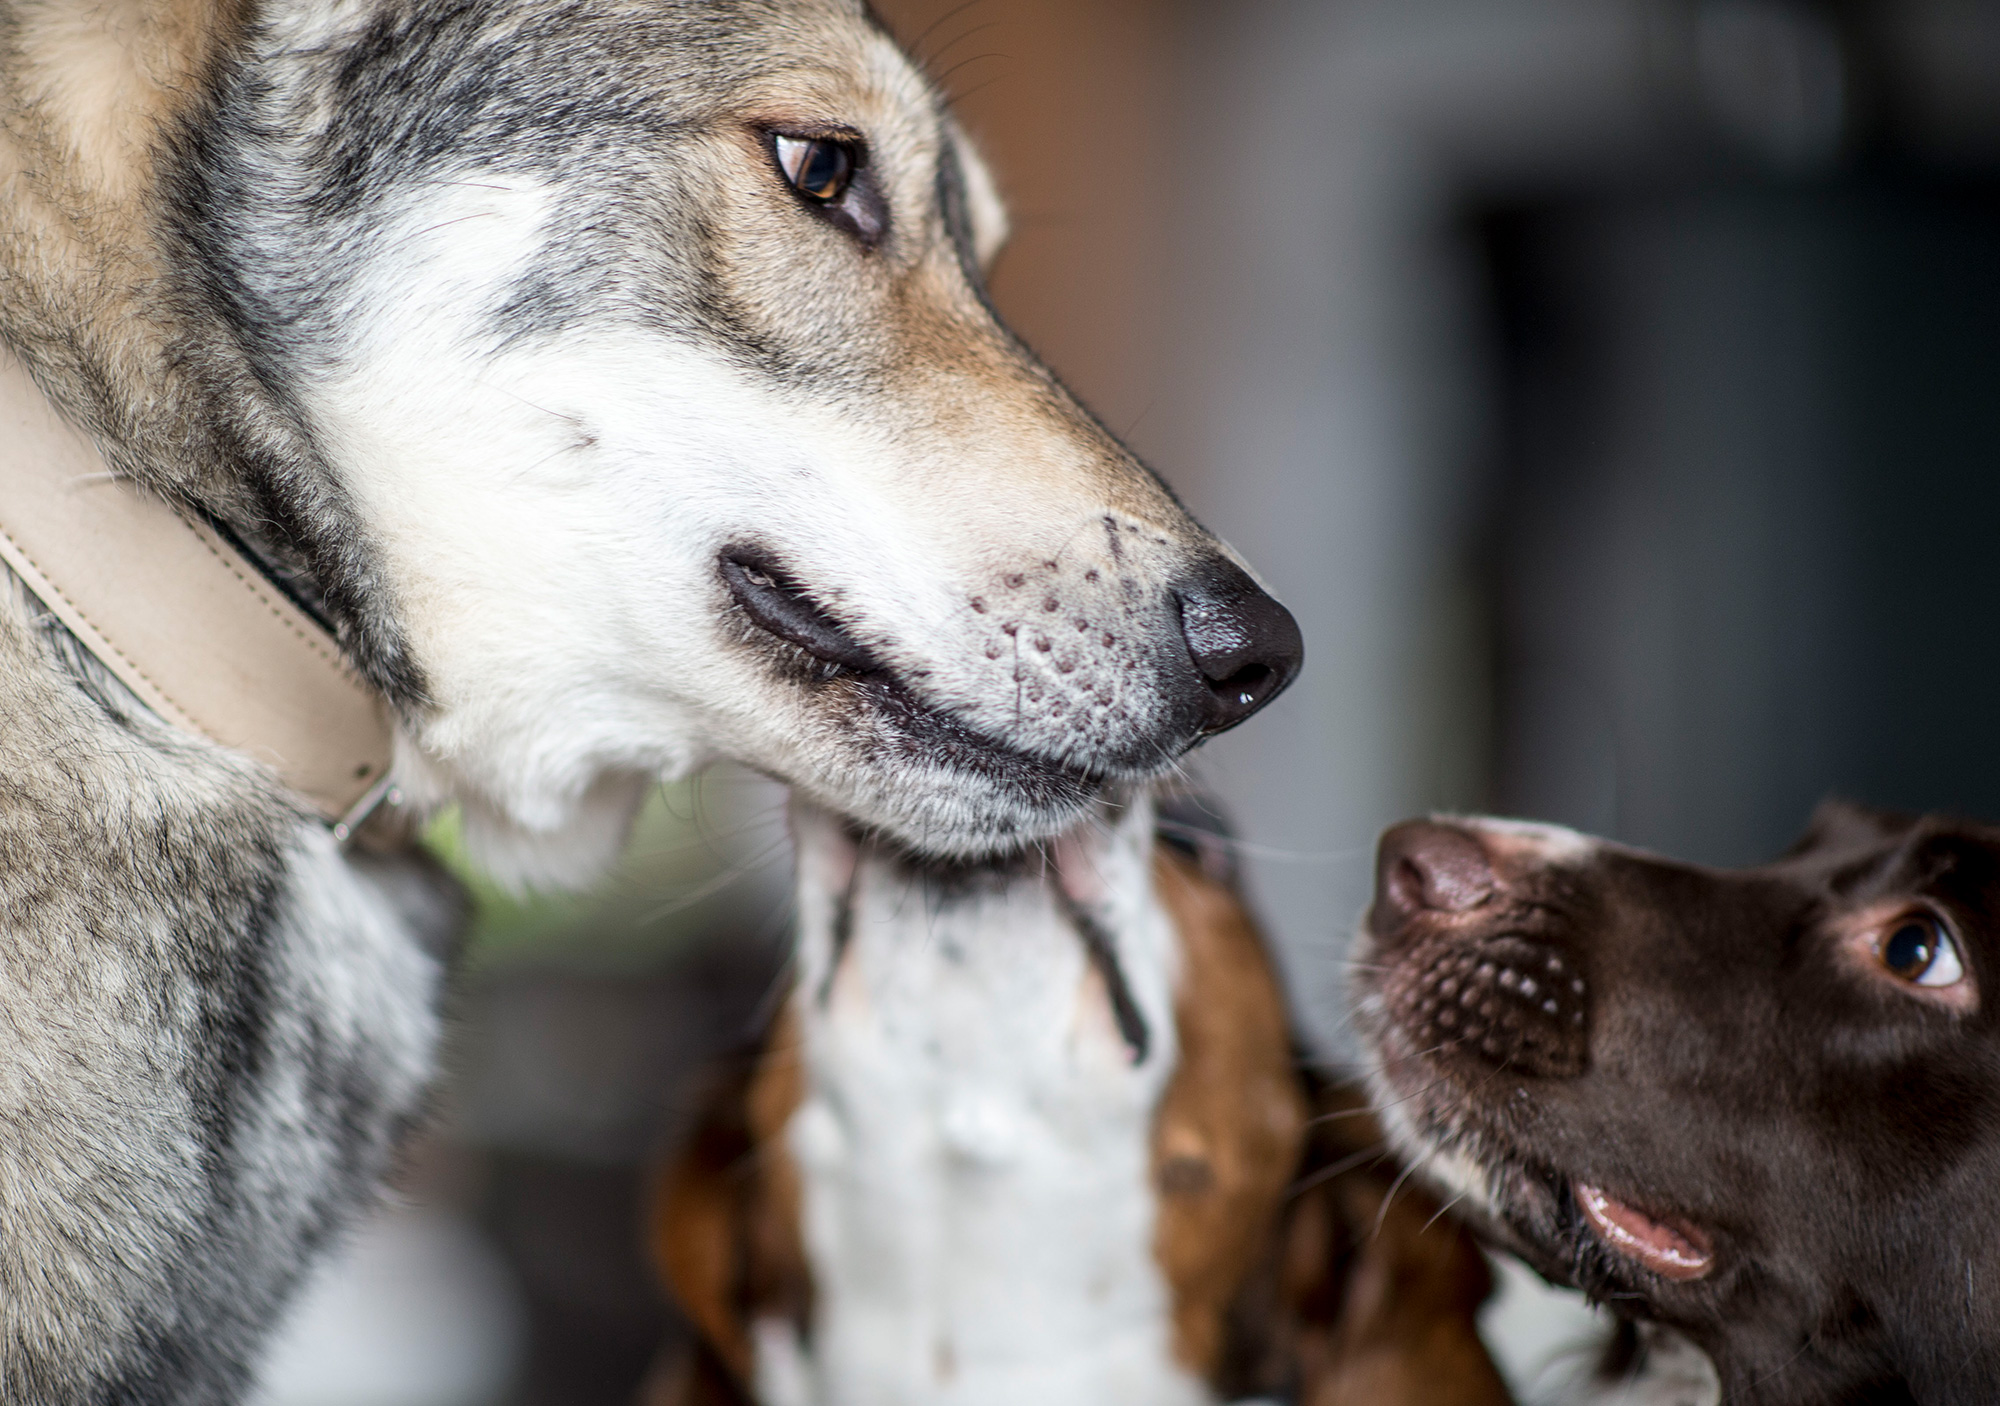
[1674, 1372]
[539, 572]
[1550, 843]
[1549, 1344]
[975, 1142]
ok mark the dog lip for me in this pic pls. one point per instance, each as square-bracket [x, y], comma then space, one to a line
[965, 747]
[779, 604]
[1671, 1249]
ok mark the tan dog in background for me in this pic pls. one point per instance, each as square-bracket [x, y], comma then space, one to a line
[1038, 1133]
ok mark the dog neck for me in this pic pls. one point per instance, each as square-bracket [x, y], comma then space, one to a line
[173, 610]
[973, 1136]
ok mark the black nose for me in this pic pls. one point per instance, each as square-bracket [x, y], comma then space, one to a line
[1245, 646]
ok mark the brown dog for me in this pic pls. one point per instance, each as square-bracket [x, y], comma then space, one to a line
[1038, 1133]
[1759, 1106]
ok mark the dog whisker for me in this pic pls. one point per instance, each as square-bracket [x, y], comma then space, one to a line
[945, 77]
[1443, 1211]
[1339, 1115]
[714, 885]
[1382, 1214]
[1254, 850]
[953, 43]
[916, 45]
[1346, 1164]
[976, 88]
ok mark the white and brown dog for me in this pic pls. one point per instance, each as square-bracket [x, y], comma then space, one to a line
[1038, 1132]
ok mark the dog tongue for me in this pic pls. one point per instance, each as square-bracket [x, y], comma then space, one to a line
[1671, 1253]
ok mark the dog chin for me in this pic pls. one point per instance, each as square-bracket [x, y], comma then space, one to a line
[1423, 1132]
[569, 857]
[1519, 1203]
[1478, 1171]
[964, 805]
[917, 775]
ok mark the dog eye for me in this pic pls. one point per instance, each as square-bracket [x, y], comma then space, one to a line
[1922, 952]
[816, 168]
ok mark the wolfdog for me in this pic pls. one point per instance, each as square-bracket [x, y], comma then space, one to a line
[614, 379]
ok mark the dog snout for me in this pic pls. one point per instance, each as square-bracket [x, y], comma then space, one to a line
[1426, 866]
[1506, 1000]
[1458, 976]
[1245, 646]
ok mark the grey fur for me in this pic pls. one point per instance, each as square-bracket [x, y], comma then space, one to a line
[213, 1025]
[212, 1031]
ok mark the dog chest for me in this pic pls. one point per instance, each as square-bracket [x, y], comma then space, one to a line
[974, 1147]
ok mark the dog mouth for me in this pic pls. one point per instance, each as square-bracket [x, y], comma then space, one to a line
[1667, 1245]
[1578, 1226]
[1476, 1000]
[779, 605]
[1595, 1238]
[1573, 1227]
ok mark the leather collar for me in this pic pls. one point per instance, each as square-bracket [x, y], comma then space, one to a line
[180, 616]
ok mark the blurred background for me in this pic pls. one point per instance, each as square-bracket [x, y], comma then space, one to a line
[1611, 387]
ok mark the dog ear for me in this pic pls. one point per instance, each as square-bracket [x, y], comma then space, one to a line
[697, 1223]
[1838, 824]
[985, 211]
[725, 1227]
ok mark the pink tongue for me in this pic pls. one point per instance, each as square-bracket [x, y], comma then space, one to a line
[1669, 1253]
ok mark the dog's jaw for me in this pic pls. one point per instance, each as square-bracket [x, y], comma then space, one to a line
[1475, 1169]
[1441, 1160]
[1426, 1127]
[1437, 1086]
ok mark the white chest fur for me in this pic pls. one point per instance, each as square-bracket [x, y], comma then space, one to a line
[974, 1139]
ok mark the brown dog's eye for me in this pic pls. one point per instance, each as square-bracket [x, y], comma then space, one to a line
[817, 168]
[1920, 951]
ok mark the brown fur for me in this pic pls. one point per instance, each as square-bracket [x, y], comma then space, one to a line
[89, 95]
[1232, 1121]
[725, 1226]
[1404, 1327]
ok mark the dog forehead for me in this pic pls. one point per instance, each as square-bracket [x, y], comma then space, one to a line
[1849, 857]
[1856, 857]
[837, 68]
[601, 73]
[812, 64]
